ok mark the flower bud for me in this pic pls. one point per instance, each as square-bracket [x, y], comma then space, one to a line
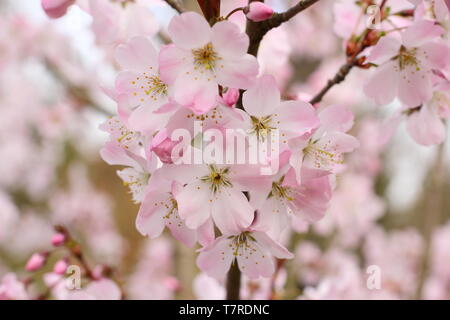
[36, 262]
[58, 239]
[258, 11]
[56, 8]
[230, 97]
[60, 267]
[163, 146]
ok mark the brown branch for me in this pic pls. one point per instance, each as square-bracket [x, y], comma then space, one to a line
[338, 78]
[233, 282]
[175, 5]
[257, 30]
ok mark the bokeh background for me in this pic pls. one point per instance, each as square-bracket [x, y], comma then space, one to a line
[391, 206]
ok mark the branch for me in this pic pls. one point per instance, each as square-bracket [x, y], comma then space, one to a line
[292, 12]
[233, 282]
[175, 5]
[257, 30]
[338, 78]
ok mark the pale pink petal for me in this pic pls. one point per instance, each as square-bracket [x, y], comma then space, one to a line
[256, 261]
[262, 98]
[296, 117]
[435, 55]
[385, 49]
[426, 127]
[113, 154]
[382, 87]
[231, 211]
[228, 40]
[272, 217]
[421, 32]
[238, 73]
[336, 118]
[138, 55]
[149, 221]
[338, 142]
[145, 118]
[414, 86]
[205, 233]
[189, 30]
[172, 62]
[276, 249]
[313, 198]
[180, 231]
[198, 93]
[194, 204]
[215, 259]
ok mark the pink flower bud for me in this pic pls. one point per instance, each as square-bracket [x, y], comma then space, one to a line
[56, 8]
[258, 11]
[60, 267]
[36, 262]
[230, 97]
[163, 146]
[58, 239]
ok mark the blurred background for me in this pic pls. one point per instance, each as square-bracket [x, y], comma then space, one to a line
[391, 206]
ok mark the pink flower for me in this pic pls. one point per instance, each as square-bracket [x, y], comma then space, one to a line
[307, 201]
[324, 149]
[203, 57]
[425, 123]
[143, 98]
[36, 262]
[127, 148]
[405, 67]
[258, 11]
[159, 209]
[56, 8]
[215, 191]
[266, 112]
[252, 250]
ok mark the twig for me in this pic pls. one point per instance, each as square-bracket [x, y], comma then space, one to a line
[175, 5]
[338, 78]
[257, 30]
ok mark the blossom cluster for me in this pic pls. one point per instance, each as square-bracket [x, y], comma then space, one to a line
[196, 80]
[239, 147]
[206, 79]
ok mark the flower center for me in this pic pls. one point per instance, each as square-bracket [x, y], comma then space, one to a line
[279, 191]
[217, 178]
[261, 126]
[125, 138]
[135, 180]
[322, 156]
[407, 58]
[148, 86]
[242, 244]
[205, 57]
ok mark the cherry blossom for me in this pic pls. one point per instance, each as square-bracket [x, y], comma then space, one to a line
[203, 57]
[252, 251]
[405, 66]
